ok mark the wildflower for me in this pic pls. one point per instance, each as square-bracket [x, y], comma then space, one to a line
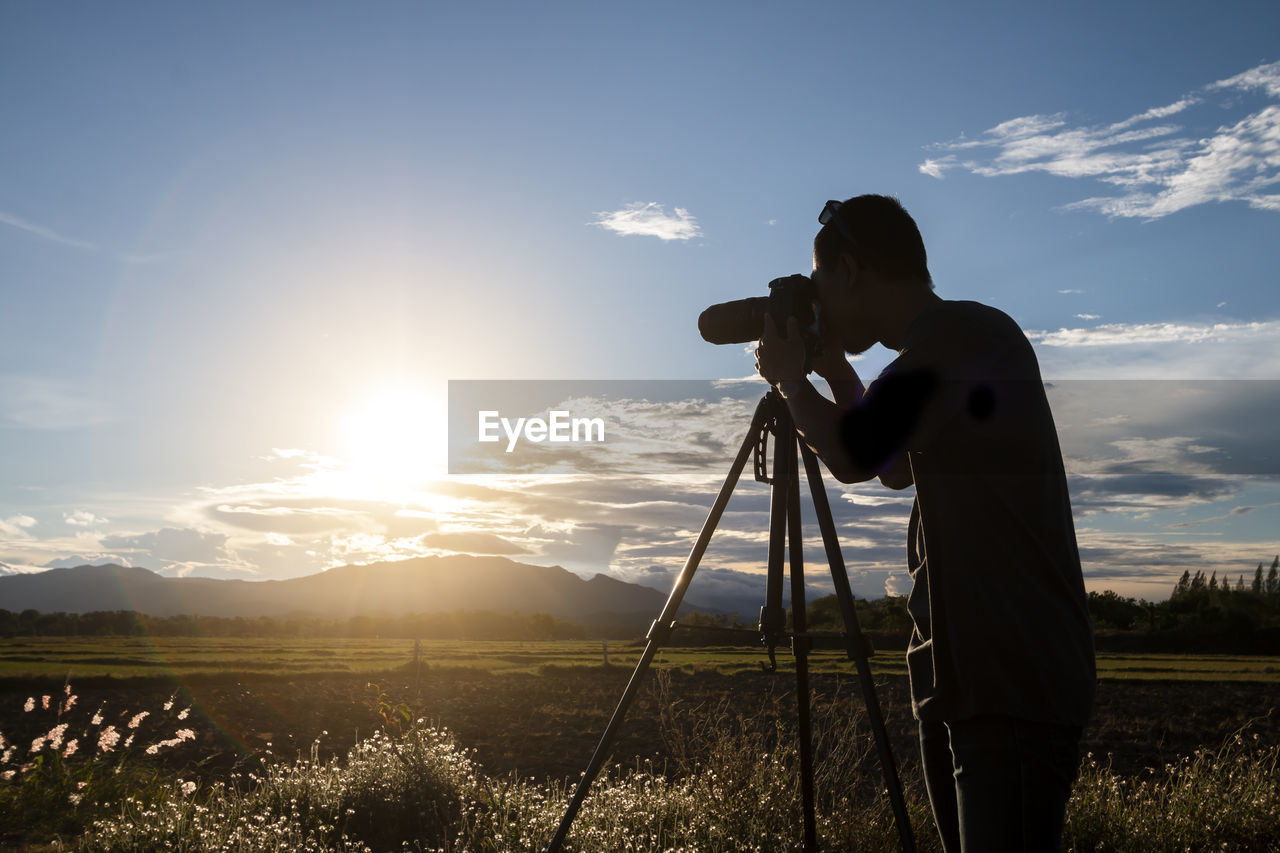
[71, 701]
[187, 788]
[138, 718]
[1, 741]
[182, 715]
[75, 798]
[44, 702]
[72, 746]
[4, 759]
[8, 774]
[55, 736]
[128, 742]
[169, 705]
[108, 739]
[187, 734]
[37, 744]
[31, 704]
[97, 718]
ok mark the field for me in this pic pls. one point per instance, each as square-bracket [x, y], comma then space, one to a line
[96, 657]
[535, 709]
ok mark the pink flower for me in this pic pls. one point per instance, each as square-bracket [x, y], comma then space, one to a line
[169, 705]
[182, 715]
[8, 774]
[72, 746]
[55, 736]
[188, 788]
[37, 744]
[185, 734]
[138, 718]
[108, 738]
[71, 701]
[1, 741]
[44, 701]
[128, 742]
[97, 718]
[31, 704]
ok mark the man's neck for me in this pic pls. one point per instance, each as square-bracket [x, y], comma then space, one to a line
[913, 302]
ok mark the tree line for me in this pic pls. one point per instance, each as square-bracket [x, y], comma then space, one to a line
[457, 625]
[1202, 614]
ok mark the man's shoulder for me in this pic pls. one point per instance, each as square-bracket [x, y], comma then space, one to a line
[962, 320]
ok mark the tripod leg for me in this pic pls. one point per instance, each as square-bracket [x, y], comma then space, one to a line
[857, 647]
[800, 648]
[660, 630]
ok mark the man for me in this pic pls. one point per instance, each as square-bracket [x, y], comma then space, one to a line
[1001, 659]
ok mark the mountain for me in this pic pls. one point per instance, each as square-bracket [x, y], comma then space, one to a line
[420, 585]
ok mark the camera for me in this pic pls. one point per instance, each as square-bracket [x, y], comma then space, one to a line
[742, 320]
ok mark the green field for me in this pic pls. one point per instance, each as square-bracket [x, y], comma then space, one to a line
[119, 657]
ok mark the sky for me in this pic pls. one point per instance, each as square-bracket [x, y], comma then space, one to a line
[245, 248]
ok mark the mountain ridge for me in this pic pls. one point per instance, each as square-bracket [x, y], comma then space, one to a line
[416, 585]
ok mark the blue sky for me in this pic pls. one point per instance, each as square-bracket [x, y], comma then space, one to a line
[243, 248]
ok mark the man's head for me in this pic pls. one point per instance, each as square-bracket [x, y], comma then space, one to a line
[870, 270]
[884, 238]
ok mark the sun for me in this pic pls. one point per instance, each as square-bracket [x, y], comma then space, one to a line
[393, 440]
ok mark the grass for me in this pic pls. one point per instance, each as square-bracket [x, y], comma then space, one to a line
[729, 784]
[732, 787]
[129, 657]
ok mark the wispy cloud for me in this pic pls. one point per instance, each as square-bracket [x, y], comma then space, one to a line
[1185, 350]
[1158, 167]
[16, 526]
[41, 231]
[134, 258]
[650, 219]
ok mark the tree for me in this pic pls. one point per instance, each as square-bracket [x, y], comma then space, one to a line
[1213, 582]
[1184, 583]
[1273, 583]
[1198, 582]
[1257, 581]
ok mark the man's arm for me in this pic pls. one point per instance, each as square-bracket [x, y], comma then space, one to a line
[818, 420]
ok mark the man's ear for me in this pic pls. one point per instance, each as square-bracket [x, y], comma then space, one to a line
[849, 267]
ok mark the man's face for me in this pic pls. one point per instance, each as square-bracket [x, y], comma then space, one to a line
[846, 309]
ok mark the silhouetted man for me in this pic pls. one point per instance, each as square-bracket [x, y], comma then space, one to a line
[1001, 658]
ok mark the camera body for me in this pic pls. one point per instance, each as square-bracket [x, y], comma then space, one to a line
[742, 320]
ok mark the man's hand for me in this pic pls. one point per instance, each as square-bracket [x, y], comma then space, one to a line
[831, 364]
[777, 358]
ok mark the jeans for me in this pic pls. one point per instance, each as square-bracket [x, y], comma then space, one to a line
[999, 784]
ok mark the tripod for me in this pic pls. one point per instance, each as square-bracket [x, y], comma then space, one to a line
[772, 416]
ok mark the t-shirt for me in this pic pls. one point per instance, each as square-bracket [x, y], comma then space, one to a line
[1001, 617]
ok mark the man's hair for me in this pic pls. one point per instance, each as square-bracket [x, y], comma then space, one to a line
[887, 239]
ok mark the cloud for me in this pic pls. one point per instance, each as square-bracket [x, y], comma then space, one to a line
[177, 550]
[40, 231]
[1158, 168]
[82, 518]
[937, 168]
[1186, 350]
[16, 526]
[1087, 316]
[473, 543]
[650, 219]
